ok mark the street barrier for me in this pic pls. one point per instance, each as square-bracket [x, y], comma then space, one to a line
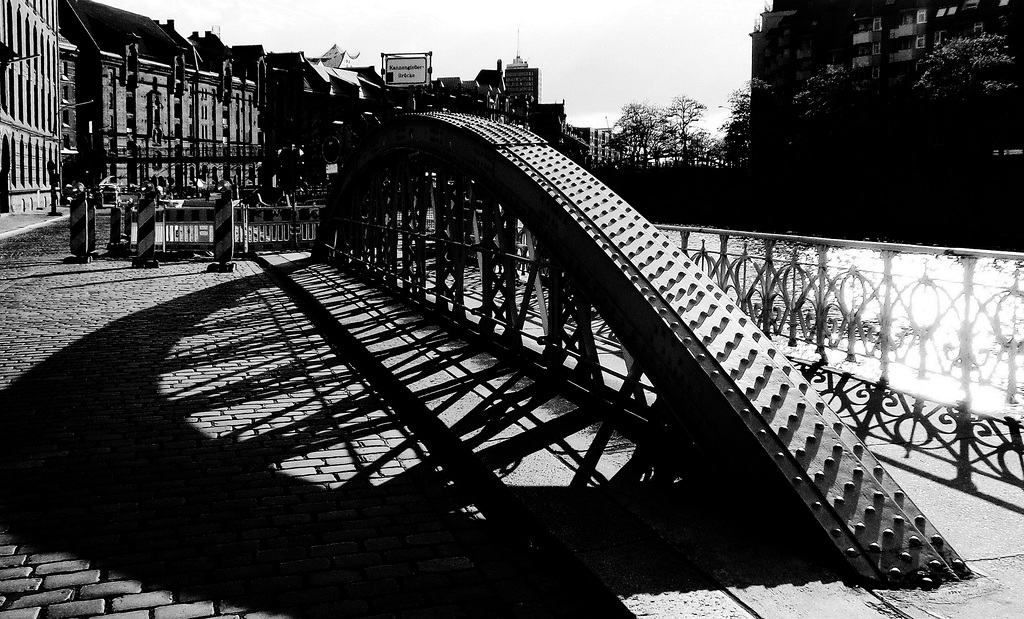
[145, 250]
[82, 246]
[190, 226]
[223, 231]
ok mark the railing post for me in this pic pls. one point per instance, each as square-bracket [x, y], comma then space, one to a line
[821, 306]
[966, 357]
[793, 309]
[766, 287]
[885, 320]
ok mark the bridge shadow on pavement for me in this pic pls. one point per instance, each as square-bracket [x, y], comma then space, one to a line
[211, 452]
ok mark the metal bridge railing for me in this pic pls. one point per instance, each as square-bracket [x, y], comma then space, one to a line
[943, 323]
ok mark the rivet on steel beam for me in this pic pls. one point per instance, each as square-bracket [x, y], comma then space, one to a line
[859, 527]
[838, 427]
[858, 449]
[838, 502]
[849, 486]
[819, 476]
[879, 495]
[869, 511]
[858, 472]
[959, 565]
[780, 456]
[782, 430]
[898, 495]
[935, 564]
[820, 406]
[851, 552]
[897, 520]
[837, 532]
[800, 453]
[829, 462]
[914, 541]
[798, 480]
[920, 521]
[887, 533]
[936, 540]
[819, 426]
[874, 547]
[906, 556]
[816, 506]
[811, 439]
[879, 471]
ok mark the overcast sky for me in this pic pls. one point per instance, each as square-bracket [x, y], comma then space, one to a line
[595, 55]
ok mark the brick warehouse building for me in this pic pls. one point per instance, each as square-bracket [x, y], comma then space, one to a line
[29, 149]
[152, 104]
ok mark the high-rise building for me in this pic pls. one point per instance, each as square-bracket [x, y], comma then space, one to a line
[522, 84]
[29, 150]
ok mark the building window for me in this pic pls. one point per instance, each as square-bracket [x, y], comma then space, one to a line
[951, 11]
[876, 48]
[876, 24]
[922, 16]
[920, 42]
[979, 27]
[941, 12]
[940, 36]
[970, 4]
[875, 73]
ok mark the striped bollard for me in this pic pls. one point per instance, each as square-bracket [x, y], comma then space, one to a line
[80, 228]
[145, 248]
[223, 231]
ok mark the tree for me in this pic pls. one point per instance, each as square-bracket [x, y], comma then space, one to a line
[681, 131]
[637, 132]
[968, 87]
[735, 143]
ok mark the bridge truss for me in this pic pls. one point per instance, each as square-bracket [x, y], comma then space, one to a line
[493, 228]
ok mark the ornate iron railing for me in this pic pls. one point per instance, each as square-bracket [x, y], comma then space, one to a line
[941, 322]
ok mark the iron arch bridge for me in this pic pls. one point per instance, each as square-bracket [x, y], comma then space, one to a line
[490, 226]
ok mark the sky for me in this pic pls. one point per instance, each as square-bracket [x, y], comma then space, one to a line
[595, 55]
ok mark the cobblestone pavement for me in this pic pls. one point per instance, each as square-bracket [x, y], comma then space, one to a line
[179, 444]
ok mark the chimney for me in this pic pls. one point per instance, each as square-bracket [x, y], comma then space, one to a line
[499, 65]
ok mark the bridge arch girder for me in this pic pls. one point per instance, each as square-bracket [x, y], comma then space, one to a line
[721, 378]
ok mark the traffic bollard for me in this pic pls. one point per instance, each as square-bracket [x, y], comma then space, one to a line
[145, 248]
[223, 231]
[81, 249]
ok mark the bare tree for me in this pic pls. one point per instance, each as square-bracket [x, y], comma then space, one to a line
[681, 118]
[636, 132]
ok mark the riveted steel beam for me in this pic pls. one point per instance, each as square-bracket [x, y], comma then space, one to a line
[493, 186]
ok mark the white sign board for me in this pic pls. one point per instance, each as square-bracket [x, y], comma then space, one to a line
[407, 70]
